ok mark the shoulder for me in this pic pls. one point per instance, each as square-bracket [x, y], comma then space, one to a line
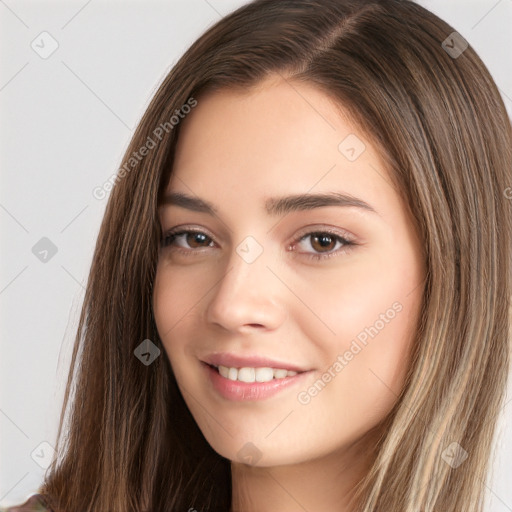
[36, 503]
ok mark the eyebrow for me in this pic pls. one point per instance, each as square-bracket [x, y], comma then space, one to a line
[274, 205]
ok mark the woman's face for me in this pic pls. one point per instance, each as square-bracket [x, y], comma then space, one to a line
[330, 287]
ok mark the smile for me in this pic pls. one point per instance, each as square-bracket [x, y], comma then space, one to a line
[253, 374]
[242, 384]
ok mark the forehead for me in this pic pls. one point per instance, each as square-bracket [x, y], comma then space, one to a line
[278, 138]
[273, 116]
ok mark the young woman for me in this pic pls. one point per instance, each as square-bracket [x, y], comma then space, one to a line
[300, 295]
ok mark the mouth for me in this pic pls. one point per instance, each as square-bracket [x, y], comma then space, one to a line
[251, 383]
[253, 374]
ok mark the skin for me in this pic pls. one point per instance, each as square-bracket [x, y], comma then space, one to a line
[235, 150]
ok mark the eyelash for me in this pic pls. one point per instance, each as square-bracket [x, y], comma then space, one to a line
[170, 236]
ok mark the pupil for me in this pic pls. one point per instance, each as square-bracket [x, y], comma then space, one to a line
[197, 238]
[325, 240]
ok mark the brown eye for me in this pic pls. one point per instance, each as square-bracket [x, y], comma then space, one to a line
[195, 239]
[323, 242]
[187, 239]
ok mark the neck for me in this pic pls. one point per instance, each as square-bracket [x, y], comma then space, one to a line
[325, 483]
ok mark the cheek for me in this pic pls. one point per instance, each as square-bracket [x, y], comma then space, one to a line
[374, 294]
[372, 311]
[172, 303]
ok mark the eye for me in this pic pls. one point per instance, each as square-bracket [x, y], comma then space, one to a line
[187, 239]
[324, 244]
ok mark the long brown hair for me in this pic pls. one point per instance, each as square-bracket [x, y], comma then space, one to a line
[127, 441]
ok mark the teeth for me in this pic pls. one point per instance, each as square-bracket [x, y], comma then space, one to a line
[254, 374]
[232, 373]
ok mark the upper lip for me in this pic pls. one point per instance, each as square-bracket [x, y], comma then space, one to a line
[252, 361]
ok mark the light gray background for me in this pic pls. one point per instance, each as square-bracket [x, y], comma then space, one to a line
[66, 122]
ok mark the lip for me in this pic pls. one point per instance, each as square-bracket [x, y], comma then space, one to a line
[238, 391]
[236, 361]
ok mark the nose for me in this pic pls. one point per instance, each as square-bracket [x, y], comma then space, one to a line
[248, 296]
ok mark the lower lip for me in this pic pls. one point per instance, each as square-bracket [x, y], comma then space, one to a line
[246, 391]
